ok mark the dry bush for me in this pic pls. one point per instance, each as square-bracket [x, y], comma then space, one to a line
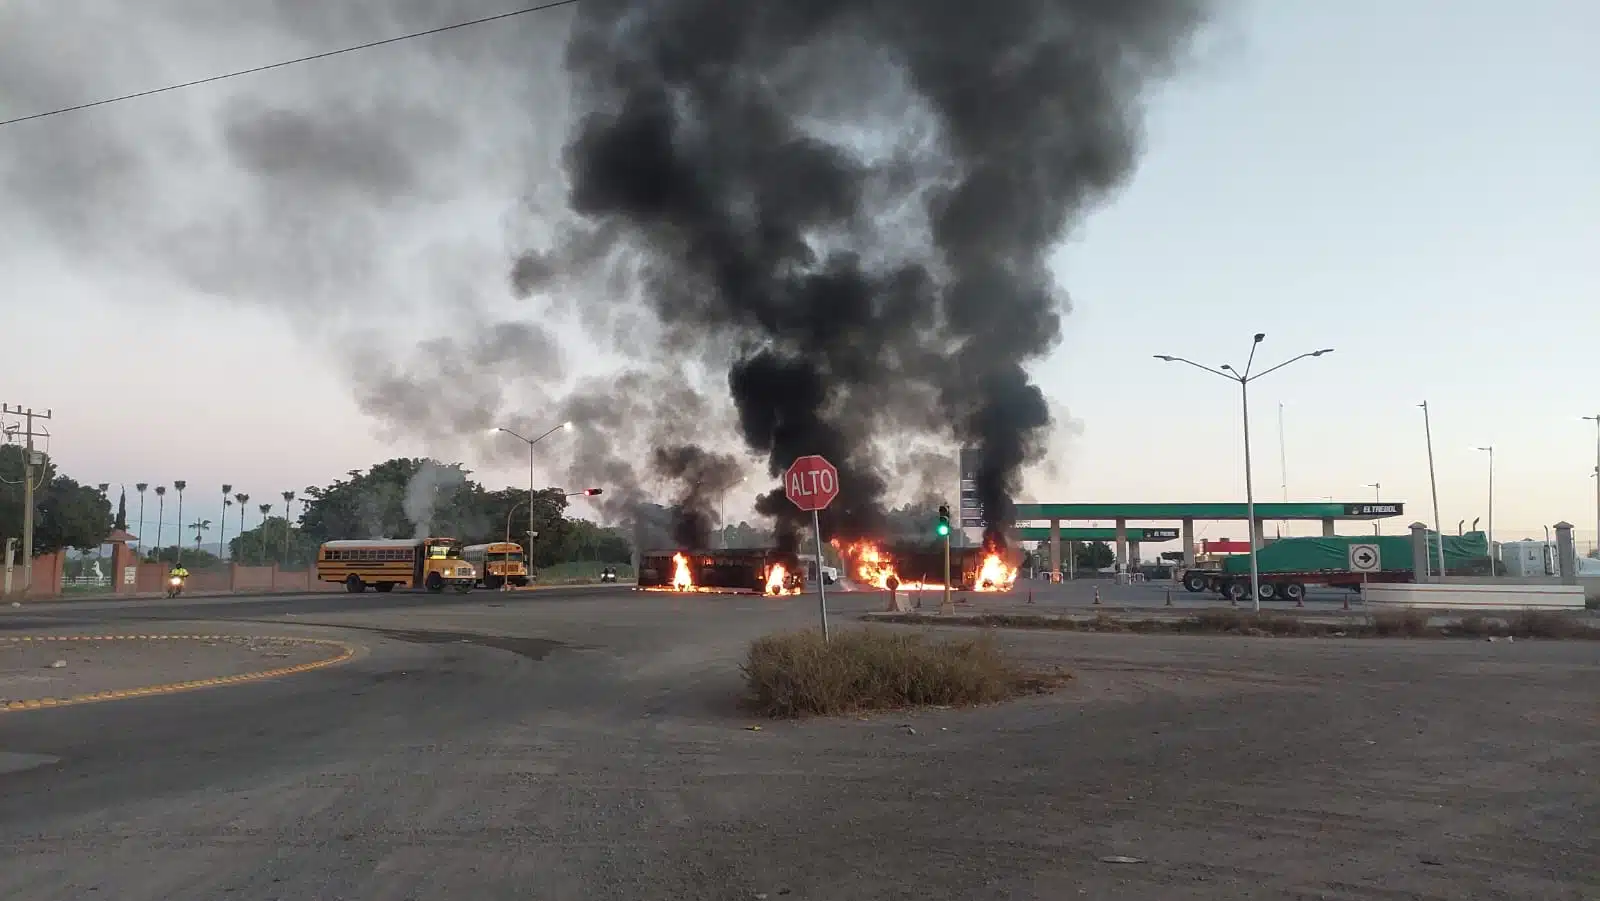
[798, 674]
[1400, 623]
[1549, 624]
[1478, 626]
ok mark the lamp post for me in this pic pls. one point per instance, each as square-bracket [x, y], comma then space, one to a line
[1433, 484]
[1596, 475]
[1244, 379]
[1490, 536]
[1377, 498]
[565, 426]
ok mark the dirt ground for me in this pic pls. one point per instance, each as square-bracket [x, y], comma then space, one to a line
[592, 749]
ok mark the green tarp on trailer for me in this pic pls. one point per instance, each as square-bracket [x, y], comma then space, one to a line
[1333, 554]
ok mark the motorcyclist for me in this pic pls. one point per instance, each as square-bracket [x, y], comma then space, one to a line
[179, 573]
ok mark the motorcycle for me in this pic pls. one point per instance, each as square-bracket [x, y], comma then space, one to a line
[174, 586]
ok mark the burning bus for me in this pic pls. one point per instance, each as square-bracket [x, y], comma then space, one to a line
[730, 571]
[921, 567]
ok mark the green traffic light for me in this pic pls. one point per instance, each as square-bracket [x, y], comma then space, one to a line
[943, 529]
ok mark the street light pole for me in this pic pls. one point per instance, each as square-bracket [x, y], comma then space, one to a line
[1244, 379]
[1377, 498]
[1490, 535]
[1596, 419]
[1433, 483]
[567, 426]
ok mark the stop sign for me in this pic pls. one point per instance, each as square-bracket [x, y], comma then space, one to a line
[811, 483]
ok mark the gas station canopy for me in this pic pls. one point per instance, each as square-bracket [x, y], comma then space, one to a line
[1320, 510]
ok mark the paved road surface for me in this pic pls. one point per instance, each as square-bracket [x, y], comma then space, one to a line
[586, 745]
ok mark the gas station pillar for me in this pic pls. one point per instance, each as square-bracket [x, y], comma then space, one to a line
[1122, 545]
[1055, 546]
[1327, 527]
[1188, 542]
[1258, 534]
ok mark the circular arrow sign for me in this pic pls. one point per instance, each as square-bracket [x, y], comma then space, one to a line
[1364, 558]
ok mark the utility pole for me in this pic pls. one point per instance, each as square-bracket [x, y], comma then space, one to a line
[1433, 484]
[1596, 418]
[28, 462]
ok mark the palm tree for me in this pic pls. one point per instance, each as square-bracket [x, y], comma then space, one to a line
[243, 499]
[266, 509]
[222, 530]
[288, 508]
[180, 484]
[140, 487]
[200, 527]
[161, 514]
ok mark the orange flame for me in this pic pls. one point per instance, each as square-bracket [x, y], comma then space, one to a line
[778, 581]
[682, 580]
[994, 575]
[873, 567]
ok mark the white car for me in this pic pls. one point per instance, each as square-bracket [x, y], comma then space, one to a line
[830, 575]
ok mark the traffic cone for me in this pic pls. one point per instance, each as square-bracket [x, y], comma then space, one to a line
[1300, 601]
[1097, 597]
[1030, 596]
[1169, 597]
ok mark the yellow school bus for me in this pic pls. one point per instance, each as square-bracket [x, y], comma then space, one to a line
[384, 563]
[497, 563]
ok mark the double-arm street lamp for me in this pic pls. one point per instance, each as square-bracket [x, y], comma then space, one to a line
[565, 426]
[1244, 379]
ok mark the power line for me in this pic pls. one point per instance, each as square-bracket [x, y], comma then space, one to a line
[552, 4]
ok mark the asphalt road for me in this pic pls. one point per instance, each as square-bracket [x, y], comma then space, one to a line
[587, 744]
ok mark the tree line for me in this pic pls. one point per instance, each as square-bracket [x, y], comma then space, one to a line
[399, 498]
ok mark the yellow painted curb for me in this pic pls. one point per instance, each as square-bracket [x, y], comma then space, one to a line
[345, 653]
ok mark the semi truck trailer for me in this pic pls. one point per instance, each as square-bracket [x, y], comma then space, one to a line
[1288, 566]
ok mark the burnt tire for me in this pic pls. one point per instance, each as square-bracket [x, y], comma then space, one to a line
[1195, 583]
[354, 585]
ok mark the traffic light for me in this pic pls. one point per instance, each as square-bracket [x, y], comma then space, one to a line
[943, 528]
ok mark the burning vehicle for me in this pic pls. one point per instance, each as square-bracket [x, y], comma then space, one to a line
[921, 567]
[734, 571]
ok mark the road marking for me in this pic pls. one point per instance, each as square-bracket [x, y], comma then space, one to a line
[346, 652]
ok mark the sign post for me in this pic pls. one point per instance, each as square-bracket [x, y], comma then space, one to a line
[811, 484]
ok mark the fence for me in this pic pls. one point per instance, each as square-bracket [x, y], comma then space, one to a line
[133, 578]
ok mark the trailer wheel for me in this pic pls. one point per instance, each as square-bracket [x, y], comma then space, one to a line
[1234, 591]
[1294, 591]
[1269, 591]
[1195, 582]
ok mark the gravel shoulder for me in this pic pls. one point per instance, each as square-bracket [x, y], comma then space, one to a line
[39, 667]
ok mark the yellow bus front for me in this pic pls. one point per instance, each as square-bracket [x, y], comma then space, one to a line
[444, 566]
[498, 564]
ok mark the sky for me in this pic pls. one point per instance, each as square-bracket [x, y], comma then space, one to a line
[1412, 183]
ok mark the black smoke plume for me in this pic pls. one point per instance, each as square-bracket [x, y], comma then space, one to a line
[703, 478]
[857, 201]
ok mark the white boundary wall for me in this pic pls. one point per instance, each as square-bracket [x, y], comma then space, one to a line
[1476, 596]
